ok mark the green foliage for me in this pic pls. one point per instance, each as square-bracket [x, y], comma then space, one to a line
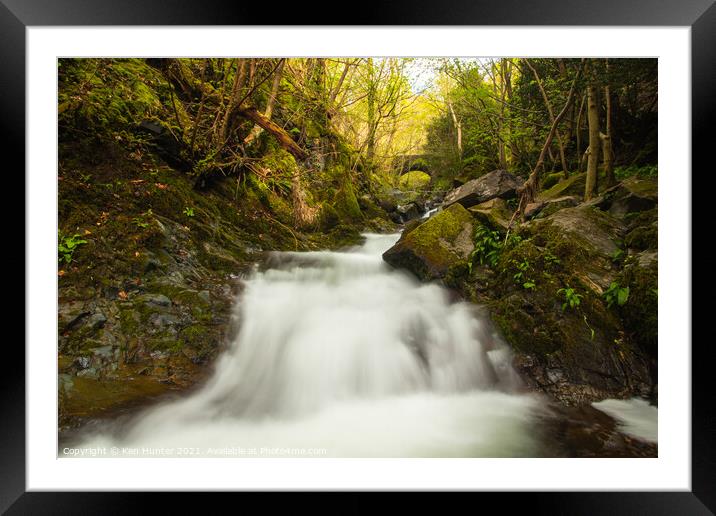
[551, 259]
[552, 179]
[616, 294]
[144, 219]
[419, 164]
[521, 276]
[571, 298]
[618, 255]
[189, 212]
[487, 247]
[67, 245]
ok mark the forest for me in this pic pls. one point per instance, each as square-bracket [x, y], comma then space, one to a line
[287, 237]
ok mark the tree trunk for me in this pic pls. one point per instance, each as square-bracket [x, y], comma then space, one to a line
[238, 83]
[458, 130]
[256, 131]
[282, 136]
[372, 123]
[579, 134]
[608, 137]
[590, 189]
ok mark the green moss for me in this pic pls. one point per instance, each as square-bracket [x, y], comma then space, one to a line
[414, 180]
[494, 213]
[130, 321]
[341, 237]
[346, 204]
[552, 179]
[641, 187]
[574, 185]
[643, 237]
[328, 217]
[434, 246]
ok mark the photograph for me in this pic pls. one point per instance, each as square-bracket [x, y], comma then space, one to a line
[357, 256]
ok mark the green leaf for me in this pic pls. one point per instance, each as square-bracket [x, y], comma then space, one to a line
[622, 296]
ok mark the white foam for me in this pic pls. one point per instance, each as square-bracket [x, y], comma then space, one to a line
[635, 417]
[340, 352]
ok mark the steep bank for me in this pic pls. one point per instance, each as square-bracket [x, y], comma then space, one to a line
[154, 241]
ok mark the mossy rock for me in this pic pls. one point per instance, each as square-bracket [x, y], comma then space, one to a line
[328, 217]
[433, 247]
[632, 195]
[552, 179]
[585, 239]
[577, 354]
[346, 204]
[643, 237]
[640, 312]
[494, 213]
[573, 185]
[342, 236]
[370, 208]
[414, 180]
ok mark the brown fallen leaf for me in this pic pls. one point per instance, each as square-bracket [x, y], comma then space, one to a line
[122, 294]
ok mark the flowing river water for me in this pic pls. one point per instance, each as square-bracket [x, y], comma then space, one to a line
[339, 355]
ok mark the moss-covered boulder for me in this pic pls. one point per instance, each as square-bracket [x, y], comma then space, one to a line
[414, 180]
[432, 248]
[573, 185]
[552, 179]
[583, 238]
[633, 195]
[541, 209]
[642, 230]
[577, 352]
[640, 312]
[494, 213]
[346, 204]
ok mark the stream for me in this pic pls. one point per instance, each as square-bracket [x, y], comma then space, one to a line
[340, 355]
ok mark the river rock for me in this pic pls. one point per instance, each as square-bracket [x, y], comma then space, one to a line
[640, 312]
[498, 183]
[494, 213]
[432, 248]
[574, 185]
[156, 300]
[545, 208]
[632, 195]
[408, 212]
[594, 232]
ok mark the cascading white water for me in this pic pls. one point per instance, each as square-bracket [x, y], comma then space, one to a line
[339, 355]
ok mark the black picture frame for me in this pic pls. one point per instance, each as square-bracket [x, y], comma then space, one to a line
[17, 15]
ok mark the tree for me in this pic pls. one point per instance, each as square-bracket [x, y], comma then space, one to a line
[528, 191]
[594, 140]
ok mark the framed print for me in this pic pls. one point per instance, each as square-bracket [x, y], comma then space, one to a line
[414, 257]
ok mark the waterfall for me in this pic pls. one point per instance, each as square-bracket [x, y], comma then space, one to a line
[337, 354]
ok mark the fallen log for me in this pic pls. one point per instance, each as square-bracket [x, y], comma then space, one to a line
[277, 131]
